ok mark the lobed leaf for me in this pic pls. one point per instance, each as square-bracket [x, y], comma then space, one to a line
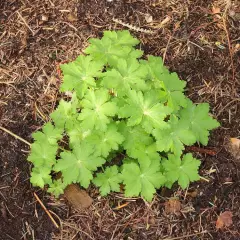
[77, 166]
[172, 139]
[184, 171]
[145, 110]
[40, 176]
[80, 74]
[104, 142]
[43, 154]
[57, 187]
[199, 121]
[108, 180]
[141, 180]
[49, 134]
[97, 110]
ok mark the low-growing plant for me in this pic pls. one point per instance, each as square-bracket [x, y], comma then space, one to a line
[123, 105]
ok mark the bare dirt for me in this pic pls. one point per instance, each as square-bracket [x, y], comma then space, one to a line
[202, 47]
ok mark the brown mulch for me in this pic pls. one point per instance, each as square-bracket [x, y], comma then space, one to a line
[202, 47]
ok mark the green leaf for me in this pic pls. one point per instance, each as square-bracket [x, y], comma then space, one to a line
[40, 176]
[43, 154]
[135, 138]
[77, 134]
[141, 180]
[66, 113]
[173, 138]
[128, 74]
[49, 134]
[57, 187]
[97, 109]
[173, 91]
[184, 171]
[77, 166]
[111, 47]
[145, 110]
[121, 38]
[199, 121]
[108, 180]
[145, 154]
[104, 142]
[80, 74]
[155, 70]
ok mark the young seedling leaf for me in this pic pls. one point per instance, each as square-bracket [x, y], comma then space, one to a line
[97, 110]
[142, 181]
[49, 134]
[199, 121]
[155, 70]
[145, 154]
[57, 187]
[77, 166]
[80, 74]
[40, 176]
[128, 74]
[66, 113]
[108, 180]
[173, 138]
[43, 154]
[184, 171]
[145, 110]
[77, 134]
[173, 91]
[135, 138]
[111, 47]
[104, 142]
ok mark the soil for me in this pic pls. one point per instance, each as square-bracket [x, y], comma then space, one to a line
[202, 47]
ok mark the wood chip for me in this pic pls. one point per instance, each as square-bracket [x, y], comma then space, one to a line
[72, 17]
[77, 198]
[216, 10]
[148, 18]
[234, 148]
[44, 18]
[224, 219]
[192, 193]
[173, 205]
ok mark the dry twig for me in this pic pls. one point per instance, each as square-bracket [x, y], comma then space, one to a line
[45, 209]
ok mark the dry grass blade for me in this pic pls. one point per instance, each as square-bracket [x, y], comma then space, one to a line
[45, 209]
[16, 136]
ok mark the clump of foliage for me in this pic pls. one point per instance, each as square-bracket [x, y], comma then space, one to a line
[120, 104]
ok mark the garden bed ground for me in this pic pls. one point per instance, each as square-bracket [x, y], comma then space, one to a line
[199, 40]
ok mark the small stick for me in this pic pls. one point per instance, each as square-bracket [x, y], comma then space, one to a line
[228, 104]
[44, 118]
[16, 136]
[131, 27]
[165, 52]
[229, 42]
[25, 23]
[204, 179]
[185, 236]
[201, 150]
[168, 42]
[121, 206]
[45, 209]
[6, 82]
[3, 102]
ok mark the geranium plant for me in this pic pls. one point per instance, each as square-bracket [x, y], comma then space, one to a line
[122, 104]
